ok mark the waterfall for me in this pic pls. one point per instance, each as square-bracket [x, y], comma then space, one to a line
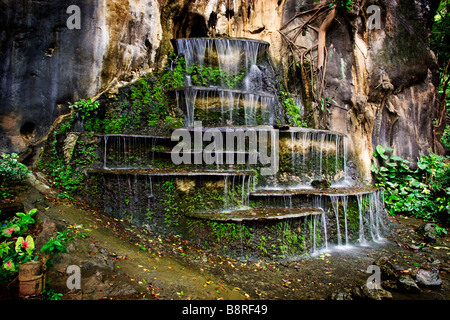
[105, 138]
[371, 216]
[190, 95]
[193, 50]
[319, 202]
[228, 56]
[344, 206]
[225, 193]
[335, 204]
[361, 220]
[254, 80]
[230, 100]
[377, 213]
[244, 195]
[250, 106]
[285, 210]
[232, 54]
[267, 109]
[315, 155]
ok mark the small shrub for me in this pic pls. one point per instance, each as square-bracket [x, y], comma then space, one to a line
[84, 107]
[445, 139]
[422, 193]
[12, 172]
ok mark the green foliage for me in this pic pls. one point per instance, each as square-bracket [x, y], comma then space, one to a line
[341, 5]
[423, 193]
[445, 139]
[345, 4]
[84, 107]
[57, 244]
[440, 230]
[17, 244]
[213, 76]
[439, 39]
[439, 42]
[68, 177]
[50, 294]
[12, 173]
[292, 110]
[18, 225]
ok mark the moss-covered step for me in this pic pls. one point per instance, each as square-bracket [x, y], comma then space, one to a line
[159, 199]
[230, 55]
[353, 215]
[215, 106]
[282, 192]
[257, 214]
[164, 172]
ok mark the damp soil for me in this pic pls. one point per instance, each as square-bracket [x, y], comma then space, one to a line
[120, 261]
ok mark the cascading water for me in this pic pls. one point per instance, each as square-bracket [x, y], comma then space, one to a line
[335, 204]
[231, 54]
[279, 215]
[242, 79]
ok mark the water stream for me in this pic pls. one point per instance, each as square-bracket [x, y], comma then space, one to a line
[140, 185]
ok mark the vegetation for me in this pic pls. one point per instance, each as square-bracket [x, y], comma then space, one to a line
[12, 173]
[293, 111]
[319, 18]
[67, 176]
[17, 246]
[440, 44]
[423, 192]
[84, 107]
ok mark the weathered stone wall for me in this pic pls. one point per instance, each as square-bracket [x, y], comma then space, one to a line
[383, 81]
[44, 65]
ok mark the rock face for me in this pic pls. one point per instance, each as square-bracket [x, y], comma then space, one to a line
[382, 81]
[44, 64]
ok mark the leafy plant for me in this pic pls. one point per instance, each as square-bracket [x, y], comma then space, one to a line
[423, 192]
[84, 107]
[11, 170]
[445, 139]
[345, 5]
[50, 294]
[25, 247]
[440, 230]
[19, 224]
[12, 173]
[17, 246]
[56, 245]
[292, 110]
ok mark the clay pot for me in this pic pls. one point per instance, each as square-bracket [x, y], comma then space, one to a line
[31, 280]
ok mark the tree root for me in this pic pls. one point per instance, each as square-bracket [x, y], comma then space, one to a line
[330, 12]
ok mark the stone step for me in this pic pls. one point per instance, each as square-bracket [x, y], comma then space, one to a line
[172, 172]
[257, 214]
[342, 191]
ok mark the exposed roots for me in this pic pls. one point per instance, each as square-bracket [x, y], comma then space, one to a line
[317, 70]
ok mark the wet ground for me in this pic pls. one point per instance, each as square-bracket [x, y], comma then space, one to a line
[119, 261]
